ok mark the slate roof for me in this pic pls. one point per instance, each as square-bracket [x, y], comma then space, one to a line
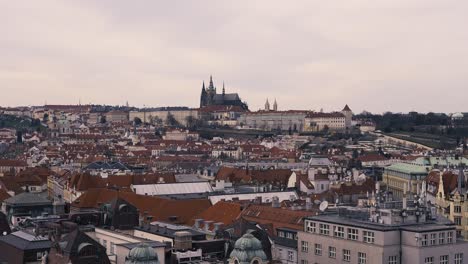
[25, 241]
[29, 199]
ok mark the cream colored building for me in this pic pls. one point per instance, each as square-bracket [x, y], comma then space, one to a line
[274, 120]
[397, 175]
[179, 115]
[317, 121]
[119, 243]
[453, 204]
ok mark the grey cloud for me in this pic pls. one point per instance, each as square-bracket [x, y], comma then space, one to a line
[375, 55]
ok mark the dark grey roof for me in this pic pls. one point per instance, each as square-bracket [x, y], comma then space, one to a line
[153, 244]
[417, 227]
[170, 230]
[25, 241]
[285, 242]
[106, 166]
[219, 98]
[28, 198]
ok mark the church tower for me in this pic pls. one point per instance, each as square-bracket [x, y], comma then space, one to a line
[267, 105]
[275, 106]
[203, 96]
[348, 116]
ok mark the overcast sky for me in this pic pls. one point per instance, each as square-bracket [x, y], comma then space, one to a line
[398, 55]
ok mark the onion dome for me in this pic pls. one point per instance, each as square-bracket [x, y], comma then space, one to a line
[142, 254]
[248, 249]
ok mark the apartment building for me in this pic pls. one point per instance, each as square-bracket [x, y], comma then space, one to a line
[350, 237]
[382, 230]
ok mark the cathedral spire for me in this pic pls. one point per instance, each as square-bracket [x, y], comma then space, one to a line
[224, 90]
[211, 87]
[275, 106]
[203, 86]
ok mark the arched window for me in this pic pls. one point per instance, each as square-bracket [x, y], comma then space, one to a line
[123, 208]
[255, 262]
[86, 249]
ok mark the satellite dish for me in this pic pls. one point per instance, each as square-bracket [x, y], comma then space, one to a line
[317, 202]
[323, 206]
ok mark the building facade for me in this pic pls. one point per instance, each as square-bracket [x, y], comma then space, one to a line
[348, 238]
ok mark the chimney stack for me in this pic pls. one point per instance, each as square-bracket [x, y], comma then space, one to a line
[275, 202]
[308, 204]
[198, 223]
[208, 225]
[217, 227]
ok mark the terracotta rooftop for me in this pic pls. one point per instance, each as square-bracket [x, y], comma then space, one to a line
[279, 217]
[161, 209]
[221, 212]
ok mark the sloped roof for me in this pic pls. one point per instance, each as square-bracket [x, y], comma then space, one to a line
[449, 178]
[160, 208]
[24, 241]
[279, 217]
[221, 212]
[28, 198]
[243, 175]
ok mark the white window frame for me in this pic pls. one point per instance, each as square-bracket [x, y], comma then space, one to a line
[458, 258]
[393, 260]
[332, 252]
[444, 259]
[362, 258]
[346, 255]
[441, 238]
[324, 229]
[305, 246]
[368, 236]
[433, 239]
[311, 227]
[339, 231]
[353, 233]
[424, 240]
[318, 249]
[429, 260]
[450, 237]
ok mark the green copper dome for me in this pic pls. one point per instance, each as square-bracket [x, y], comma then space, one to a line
[247, 248]
[142, 254]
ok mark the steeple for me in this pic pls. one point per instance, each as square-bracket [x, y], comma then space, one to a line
[211, 86]
[203, 86]
[267, 105]
[224, 91]
[275, 106]
[461, 179]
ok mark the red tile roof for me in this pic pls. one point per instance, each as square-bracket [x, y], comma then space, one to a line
[161, 209]
[221, 212]
[279, 217]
